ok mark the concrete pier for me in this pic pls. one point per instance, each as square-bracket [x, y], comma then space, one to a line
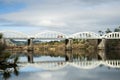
[102, 44]
[68, 50]
[30, 57]
[30, 50]
[101, 55]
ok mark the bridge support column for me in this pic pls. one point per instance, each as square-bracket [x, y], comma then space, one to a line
[99, 41]
[102, 44]
[30, 42]
[30, 50]
[68, 50]
[102, 49]
[30, 57]
[101, 55]
[68, 56]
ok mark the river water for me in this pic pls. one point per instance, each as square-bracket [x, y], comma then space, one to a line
[32, 72]
[35, 72]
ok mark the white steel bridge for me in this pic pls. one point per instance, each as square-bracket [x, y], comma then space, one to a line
[59, 35]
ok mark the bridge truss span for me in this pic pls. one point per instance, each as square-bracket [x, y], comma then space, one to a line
[50, 35]
[85, 35]
[58, 35]
[14, 35]
[113, 35]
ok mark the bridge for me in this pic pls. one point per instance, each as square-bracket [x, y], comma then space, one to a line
[54, 35]
[77, 64]
[59, 35]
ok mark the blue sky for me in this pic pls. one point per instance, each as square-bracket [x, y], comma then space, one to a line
[67, 16]
[8, 8]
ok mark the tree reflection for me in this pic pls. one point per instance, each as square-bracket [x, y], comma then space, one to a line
[6, 74]
[16, 72]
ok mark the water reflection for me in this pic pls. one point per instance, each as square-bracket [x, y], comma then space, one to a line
[96, 55]
[68, 73]
[74, 55]
[80, 54]
[84, 55]
[6, 72]
[101, 55]
[113, 54]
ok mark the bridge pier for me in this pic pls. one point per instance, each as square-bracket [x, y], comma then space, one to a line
[30, 42]
[102, 49]
[102, 44]
[68, 49]
[68, 56]
[30, 50]
[101, 55]
[30, 57]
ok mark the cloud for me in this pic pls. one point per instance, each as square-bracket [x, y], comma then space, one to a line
[70, 73]
[75, 15]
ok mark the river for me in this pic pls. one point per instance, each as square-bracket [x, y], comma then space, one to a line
[34, 71]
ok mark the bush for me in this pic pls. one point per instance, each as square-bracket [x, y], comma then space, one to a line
[1, 35]
[2, 47]
[4, 55]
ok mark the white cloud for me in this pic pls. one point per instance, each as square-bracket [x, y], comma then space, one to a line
[78, 15]
[70, 73]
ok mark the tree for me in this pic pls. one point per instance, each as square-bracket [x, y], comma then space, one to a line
[2, 47]
[100, 32]
[117, 29]
[4, 55]
[1, 35]
[108, 31]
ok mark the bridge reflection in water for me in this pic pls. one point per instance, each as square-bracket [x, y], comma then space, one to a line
[93, 68]
[78, 64]
[80, 61]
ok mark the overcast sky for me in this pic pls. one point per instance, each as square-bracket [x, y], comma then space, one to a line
[67, 16]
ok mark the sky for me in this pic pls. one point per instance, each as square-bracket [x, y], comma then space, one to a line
[66, 16]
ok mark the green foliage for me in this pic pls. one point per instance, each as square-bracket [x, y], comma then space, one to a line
[117, 29]
[1, 35]
[113, 43]
[90, 48]
[4, 55]
[2, 47]
[16, 59]
[6, 75]
[82, 41]
[100, 32]
[75, 41]
[108, 31]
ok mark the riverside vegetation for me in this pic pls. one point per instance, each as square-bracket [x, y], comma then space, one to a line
[4, 56]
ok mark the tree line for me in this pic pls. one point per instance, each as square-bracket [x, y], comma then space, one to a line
[117, 29]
